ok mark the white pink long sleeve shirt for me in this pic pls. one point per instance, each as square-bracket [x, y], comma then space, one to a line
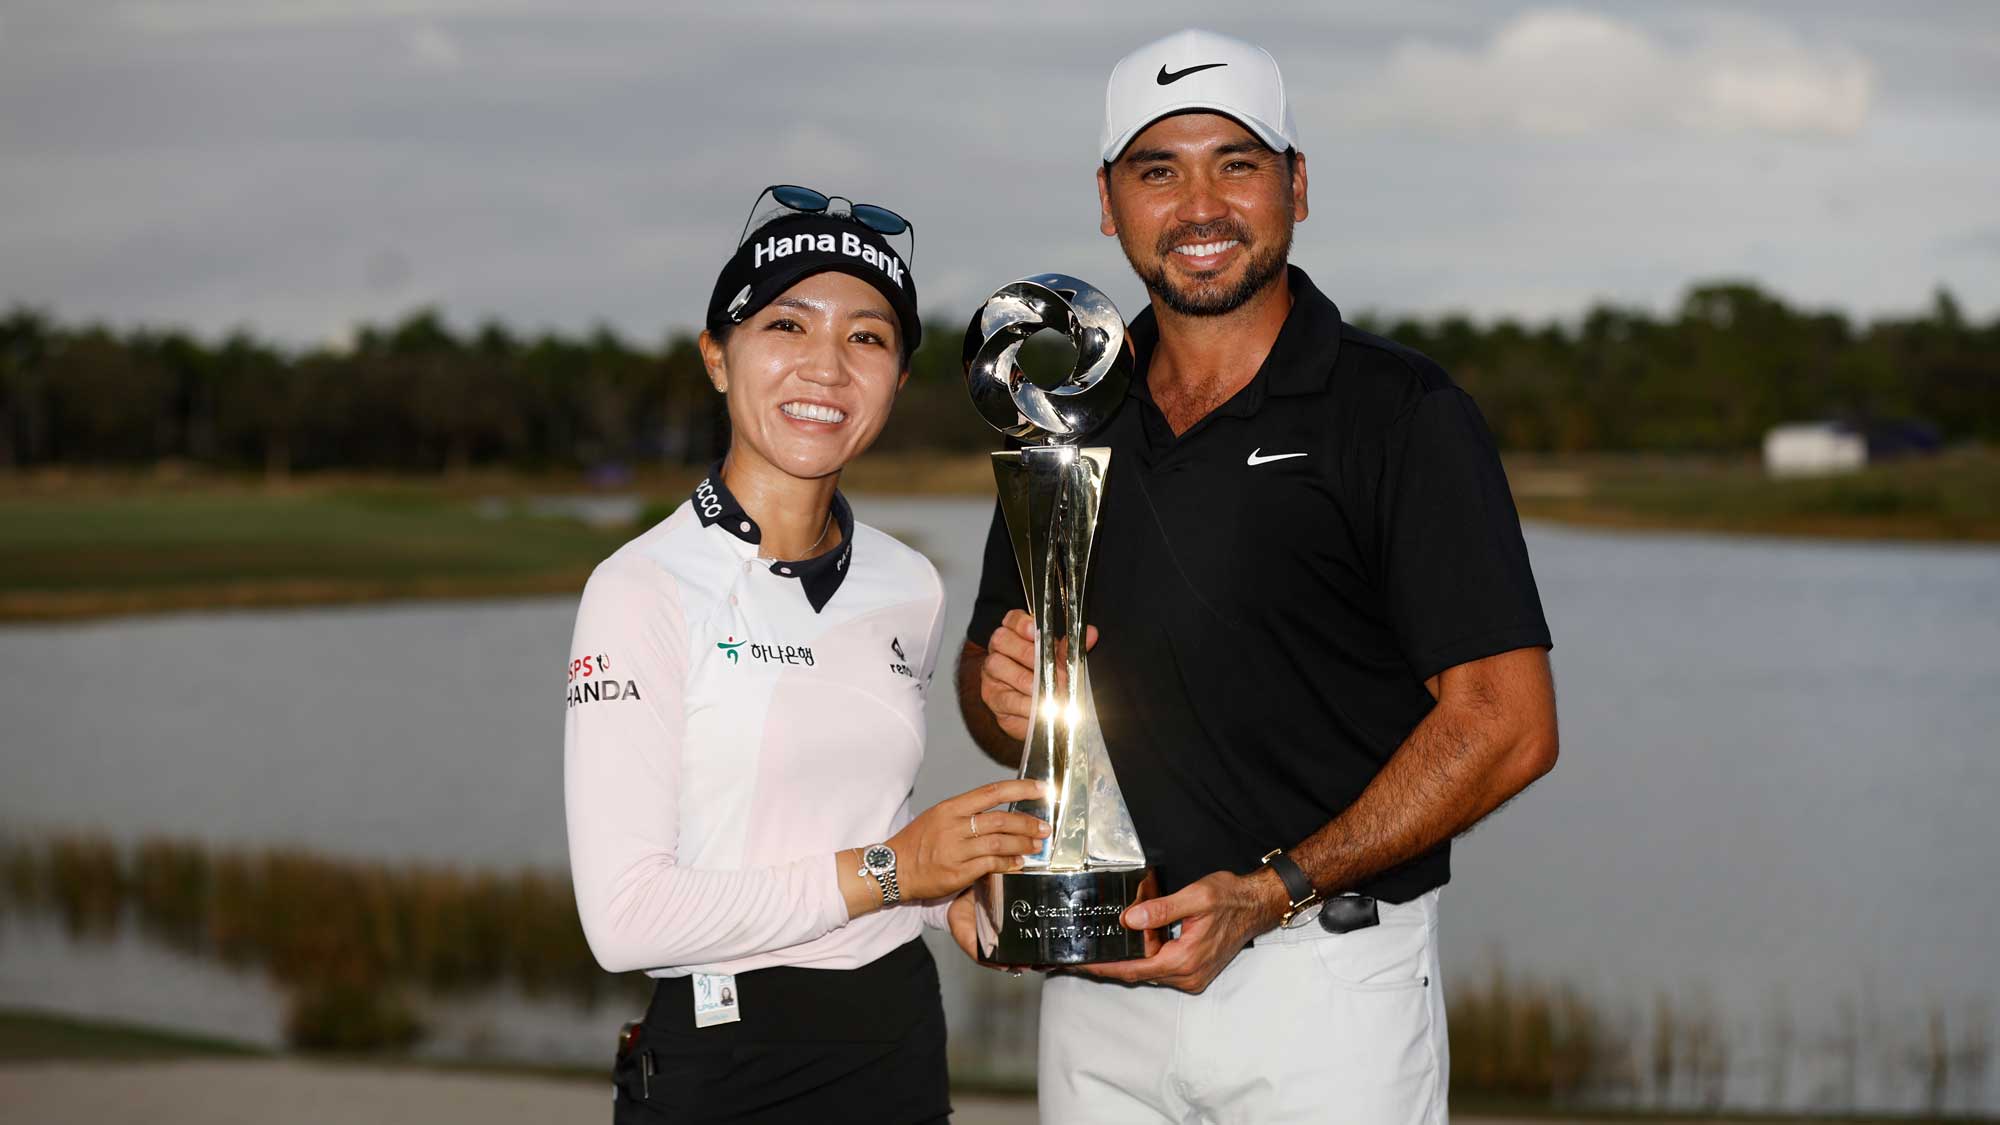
[732, 723]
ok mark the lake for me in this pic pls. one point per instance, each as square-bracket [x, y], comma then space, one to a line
[1774, 803]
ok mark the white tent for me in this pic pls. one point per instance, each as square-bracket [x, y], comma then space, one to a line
[1813, 448]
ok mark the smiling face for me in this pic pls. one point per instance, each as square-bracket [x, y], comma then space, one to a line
[810, 376]
[1203, 210]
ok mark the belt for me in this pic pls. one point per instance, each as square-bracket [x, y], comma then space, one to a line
[786, 1003]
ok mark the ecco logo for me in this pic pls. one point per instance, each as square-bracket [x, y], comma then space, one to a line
[704, 495]
[902, 665]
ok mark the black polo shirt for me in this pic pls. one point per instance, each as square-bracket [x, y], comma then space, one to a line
[1273, 587]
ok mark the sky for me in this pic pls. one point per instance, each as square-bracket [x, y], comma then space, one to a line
[298, 168]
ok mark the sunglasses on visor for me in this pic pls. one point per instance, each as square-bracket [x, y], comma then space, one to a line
[806, 201]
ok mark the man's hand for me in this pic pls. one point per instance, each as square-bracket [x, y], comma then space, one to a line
[1007, 675]
[1218, 914]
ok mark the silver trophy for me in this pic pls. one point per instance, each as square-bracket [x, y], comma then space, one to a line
[1063, 907]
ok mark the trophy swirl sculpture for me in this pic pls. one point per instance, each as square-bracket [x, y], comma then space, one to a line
[1063, 907]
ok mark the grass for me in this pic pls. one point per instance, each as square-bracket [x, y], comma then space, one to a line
[355, 944]
[96, 545]
[359, 947]
[99, 549]
[1954, 496]
[30, 1036]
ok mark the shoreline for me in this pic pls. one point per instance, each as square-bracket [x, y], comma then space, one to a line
[334, 1092]
[87, 546]
[57, 1068]
[30, 608]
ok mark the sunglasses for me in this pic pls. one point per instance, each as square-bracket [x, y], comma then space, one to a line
[806, 201]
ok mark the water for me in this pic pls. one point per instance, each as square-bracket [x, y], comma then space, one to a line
[1774, 795]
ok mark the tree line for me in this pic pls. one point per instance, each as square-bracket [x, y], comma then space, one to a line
[1731, 361]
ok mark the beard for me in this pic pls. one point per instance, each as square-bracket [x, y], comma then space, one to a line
[1212, 298]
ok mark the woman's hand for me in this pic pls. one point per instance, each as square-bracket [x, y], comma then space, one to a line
[959, 919]
[956, 841]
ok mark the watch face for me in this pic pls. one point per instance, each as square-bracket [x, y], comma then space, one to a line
[878, 858]
[1305, 914]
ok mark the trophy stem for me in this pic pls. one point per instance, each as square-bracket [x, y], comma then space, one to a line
[1059, 661]
[1050, 496]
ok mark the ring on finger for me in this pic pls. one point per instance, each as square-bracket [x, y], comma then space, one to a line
[972, 825]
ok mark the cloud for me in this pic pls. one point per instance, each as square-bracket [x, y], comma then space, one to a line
[178, 17]
[591, 161]
[1566, 72]
[783, 16]
[820, 151]
[1983, 243]
[429, 48]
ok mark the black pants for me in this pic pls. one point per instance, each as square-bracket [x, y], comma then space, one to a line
[819, 1045]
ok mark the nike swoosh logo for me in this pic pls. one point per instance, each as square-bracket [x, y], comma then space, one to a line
[1169, 77]
[1256, 460]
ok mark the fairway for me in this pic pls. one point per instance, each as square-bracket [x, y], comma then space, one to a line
[102, 551]
[1952, 496]
[102, 545]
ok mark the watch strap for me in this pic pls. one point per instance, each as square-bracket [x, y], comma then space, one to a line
[1298, 889]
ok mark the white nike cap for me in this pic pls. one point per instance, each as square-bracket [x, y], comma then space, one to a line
[1197, 70]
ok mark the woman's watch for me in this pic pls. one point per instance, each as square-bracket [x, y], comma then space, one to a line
[878, 862]
[1303, 902]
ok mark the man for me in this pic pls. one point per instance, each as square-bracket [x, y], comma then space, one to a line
[1322, 654]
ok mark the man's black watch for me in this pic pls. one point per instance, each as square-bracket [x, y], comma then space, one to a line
[1304, 902]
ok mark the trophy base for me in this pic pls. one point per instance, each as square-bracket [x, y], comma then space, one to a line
[1046, 919]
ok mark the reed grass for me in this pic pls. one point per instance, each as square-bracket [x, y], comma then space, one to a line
[359, 946]
[354, 943]
[1517, 1039]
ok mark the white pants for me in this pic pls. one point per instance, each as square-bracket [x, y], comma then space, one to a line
[1304, 1026]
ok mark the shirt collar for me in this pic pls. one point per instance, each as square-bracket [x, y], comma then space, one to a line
[819, 577]
[1300, 360]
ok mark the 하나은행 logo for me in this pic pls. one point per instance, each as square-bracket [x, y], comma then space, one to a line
[799, 655]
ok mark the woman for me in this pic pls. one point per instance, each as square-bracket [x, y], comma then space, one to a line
[746, 717]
